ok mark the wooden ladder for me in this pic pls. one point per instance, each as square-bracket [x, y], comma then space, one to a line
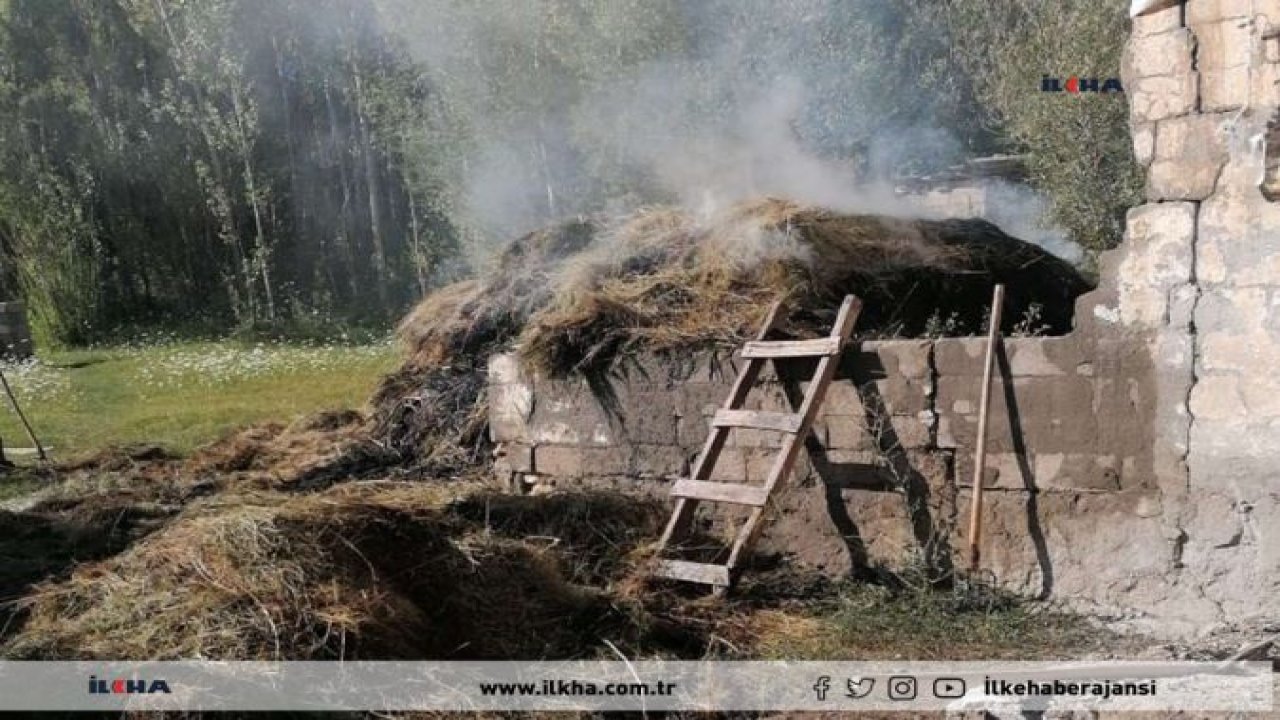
[699, 488]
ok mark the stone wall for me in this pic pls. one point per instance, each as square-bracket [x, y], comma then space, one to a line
[1198, 282]
[15, 335]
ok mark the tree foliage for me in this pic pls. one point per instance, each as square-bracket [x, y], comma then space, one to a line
[1079, 148]
[233, 163]
[223, 161]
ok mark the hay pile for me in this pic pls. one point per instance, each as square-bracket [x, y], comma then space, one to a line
[267, 544]
[575, 297]
[380, 570]
[263, 547]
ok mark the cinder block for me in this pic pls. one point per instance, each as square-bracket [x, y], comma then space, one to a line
[1005, 470]
[1122, 408]
[959, 356]
[730, 466]
[504, 368]
[569, 415]
[958, 394]
[509, 408]
[1076, 471]
[518, 457]
[1039, 357]
[650, 417]
[657, 461]
[1043, 471]
[911, 432]
[576, 462]
[1053, 415]
[607, 461]
[559, 461]
[843, 398]
[848, 432]
[900, 396]
[901, 358]
[759, 463]
[691, 432]
[751, 438]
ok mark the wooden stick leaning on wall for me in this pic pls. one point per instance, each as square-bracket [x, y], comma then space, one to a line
[17, 409]
[980, 452]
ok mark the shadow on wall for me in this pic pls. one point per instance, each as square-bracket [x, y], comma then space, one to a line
[1034, 530]
[896, 472]
[925, 476]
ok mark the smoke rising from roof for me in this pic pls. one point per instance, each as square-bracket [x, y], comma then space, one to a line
[578, 108]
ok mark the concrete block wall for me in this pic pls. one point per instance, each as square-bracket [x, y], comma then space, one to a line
[891, 480]
[15, 335]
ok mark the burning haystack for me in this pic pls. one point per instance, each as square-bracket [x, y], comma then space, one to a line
[573, 297]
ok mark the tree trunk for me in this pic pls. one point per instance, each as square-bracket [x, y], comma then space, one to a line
[344, 225]
[261, 252]
[372, 185]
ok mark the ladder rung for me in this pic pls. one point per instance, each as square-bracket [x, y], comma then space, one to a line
[25, 451]
[791, 348]
[721, 492]
[758, 420]
[704, 573]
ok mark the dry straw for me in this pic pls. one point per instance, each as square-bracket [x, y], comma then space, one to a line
[573, 298]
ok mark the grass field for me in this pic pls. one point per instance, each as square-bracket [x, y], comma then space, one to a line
[181, 395]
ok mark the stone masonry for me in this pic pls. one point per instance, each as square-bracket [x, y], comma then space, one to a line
[1136, 462]
[1197, 282]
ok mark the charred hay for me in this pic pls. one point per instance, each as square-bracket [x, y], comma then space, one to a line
[575, 297]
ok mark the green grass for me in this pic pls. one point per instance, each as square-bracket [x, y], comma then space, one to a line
[182, 395]
[969, 621]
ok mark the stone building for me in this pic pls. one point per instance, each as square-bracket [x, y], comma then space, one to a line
[1136, 461]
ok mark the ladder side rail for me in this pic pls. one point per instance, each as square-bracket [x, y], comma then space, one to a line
[792, 444]
[682, 514]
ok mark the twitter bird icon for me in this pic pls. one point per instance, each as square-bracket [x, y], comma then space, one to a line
[859, 687]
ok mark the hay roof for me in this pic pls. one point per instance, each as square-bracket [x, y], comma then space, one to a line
[573, 297]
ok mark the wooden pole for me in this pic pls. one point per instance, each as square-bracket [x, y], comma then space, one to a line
[13, 402]
[980, 452]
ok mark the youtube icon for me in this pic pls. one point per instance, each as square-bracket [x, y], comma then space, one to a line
[948, 688]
